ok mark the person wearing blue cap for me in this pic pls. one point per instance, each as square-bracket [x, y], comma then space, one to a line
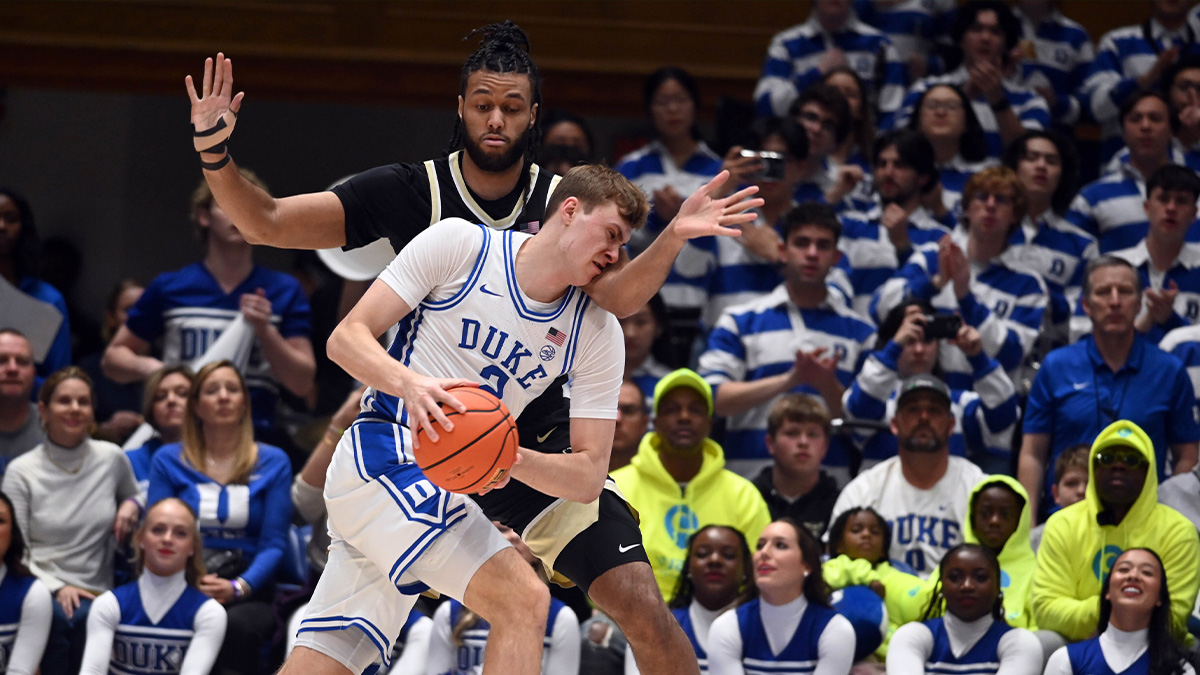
[678, 481]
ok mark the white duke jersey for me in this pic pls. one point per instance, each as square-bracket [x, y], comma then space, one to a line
[470, 319]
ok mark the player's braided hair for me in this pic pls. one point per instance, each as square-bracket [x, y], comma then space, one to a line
[504, 48]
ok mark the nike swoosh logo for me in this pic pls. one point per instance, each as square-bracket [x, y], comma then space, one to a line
[627, 549]
[1080, 386]
[484, 288]
[543, 437]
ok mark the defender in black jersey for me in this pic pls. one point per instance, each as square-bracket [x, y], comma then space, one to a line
[491, 182]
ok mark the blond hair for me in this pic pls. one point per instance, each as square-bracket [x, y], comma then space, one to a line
[195, 449]
[594, 185]
[195, 568]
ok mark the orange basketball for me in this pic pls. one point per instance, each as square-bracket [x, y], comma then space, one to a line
[480, 450]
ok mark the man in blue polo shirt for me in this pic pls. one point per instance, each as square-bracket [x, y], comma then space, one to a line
[794, 339]
[1112, 374]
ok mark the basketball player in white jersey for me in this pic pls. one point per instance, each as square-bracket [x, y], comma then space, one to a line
[475, 307]
[486, 180]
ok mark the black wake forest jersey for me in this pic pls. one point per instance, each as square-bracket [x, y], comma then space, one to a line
[397, 202]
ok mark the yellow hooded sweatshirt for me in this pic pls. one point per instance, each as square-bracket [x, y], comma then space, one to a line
[669, 515]
[1017, 561]
[1080, 545]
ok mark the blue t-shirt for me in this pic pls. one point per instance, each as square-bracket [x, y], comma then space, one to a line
[253, 518]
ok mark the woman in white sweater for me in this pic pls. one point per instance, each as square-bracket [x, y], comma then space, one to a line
[74, 499]
[160, 623]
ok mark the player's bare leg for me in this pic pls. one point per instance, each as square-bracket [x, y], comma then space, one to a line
[305, 661]
[507, 593]
[629, 594]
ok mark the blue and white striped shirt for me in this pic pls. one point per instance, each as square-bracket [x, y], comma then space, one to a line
[760, 339]
[1059, 252]
[1006, 304]
[1184, 271]
[651, 168]
[913, 26]
[1112, 209]
[985, 414]
[1123, 55]
[954, 176]
[792, 57]
[1064, 54]
[868, 256]
[1029, 107]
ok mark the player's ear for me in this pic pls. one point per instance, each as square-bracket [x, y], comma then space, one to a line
[569, 207]
[461, 105]
[533, 113]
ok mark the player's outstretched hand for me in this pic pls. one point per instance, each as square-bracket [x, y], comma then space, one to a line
[216, 93]
[703, 215]
[422, 396]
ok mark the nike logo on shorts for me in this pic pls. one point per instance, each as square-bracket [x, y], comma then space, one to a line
[543, 437]
[627, 549]
[484, 288]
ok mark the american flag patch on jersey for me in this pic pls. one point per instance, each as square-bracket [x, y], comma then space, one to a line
[556, 336]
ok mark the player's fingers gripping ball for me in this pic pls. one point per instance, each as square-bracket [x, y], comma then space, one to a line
[478, 453]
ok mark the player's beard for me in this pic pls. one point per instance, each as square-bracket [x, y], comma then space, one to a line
[494, 163]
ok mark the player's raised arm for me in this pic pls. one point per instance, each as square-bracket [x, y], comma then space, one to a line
[308, 221]
[630, 285]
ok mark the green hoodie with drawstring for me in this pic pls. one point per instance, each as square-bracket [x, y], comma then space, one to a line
[1080, 545]
[1017, 561]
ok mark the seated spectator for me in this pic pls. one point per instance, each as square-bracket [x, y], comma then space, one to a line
[563, 129]
[633, 420]
[943, 114]
[1112, 208]
[20, 424]
[191, 307]
[1046, 243]
[923, 491]
[1131, 59]
[1184, 344]
[794, 486]
[794, 340]
[918, 29]
[986, 33]
[161, 621]
[831, 37]
[1121, 511]
[240, 489]
[875, 243]
[859, 541]
[458, 641]
[1182, 86]
[998, 518]
[678, 161]
[1135, 624]
[985, 414]
[1055, 64]
[1070, 485]
[1112, 374]
[964, 628]
[74, 499]
[854, 148]
[643, 331]
[722, 272]
[118, 406]
[164, 408]
[975, 273]
[824, 115]
[677, 452]
[25, 604]
[20, 257]
[791, 620]
[718, 576]
[1167, 265]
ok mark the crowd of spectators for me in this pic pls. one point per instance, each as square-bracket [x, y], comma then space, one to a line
[938, 400]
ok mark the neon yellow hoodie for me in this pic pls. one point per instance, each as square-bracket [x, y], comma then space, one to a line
[1077, 551]
[1017, 561]
[843, 571]
[715, 496]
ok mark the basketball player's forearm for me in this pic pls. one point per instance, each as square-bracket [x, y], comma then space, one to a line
[630, 286]
[306, 221]
[352, 347]
[576, 476]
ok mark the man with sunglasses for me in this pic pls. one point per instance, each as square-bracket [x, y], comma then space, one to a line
[1081, 542]
[1114, 373]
